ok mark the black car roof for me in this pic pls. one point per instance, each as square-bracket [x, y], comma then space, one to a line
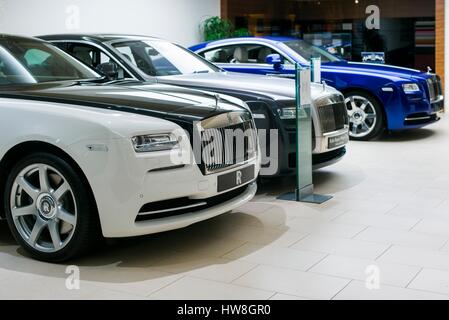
[97, 37]
[4, 36]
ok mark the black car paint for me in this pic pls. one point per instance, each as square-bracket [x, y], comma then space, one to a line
[121, 98]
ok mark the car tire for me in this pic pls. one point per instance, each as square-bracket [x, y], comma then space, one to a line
[366, 117]
[49, 209]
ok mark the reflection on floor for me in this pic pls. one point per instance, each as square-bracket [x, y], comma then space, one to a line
[383, 236]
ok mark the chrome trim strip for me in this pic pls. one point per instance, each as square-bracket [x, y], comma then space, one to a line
[173, 209]
[225, 120]
[337, 132]
[230, 168]
[418, 118]
[167, 168]
[438, 99]
[328, 136]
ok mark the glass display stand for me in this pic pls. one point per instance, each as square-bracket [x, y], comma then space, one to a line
[304, 179]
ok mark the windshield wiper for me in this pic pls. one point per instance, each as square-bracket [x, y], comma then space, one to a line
[118, 81]
[89, 81]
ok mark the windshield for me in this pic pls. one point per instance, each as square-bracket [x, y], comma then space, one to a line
[162, 58]
[24, 61]
[308, 51]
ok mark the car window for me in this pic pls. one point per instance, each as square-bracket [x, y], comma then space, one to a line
[248, 53]
[12, 71]
[162, 58]
[127, 53]
[28, 61]
[36, 56]
[94, 57]
[308, 51]
[220, 55]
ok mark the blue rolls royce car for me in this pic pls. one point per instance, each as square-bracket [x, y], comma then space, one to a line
[377, 96]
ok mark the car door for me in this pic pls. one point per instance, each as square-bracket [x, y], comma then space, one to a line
[245, 58]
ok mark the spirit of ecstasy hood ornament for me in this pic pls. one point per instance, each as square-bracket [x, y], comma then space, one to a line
[217, 100]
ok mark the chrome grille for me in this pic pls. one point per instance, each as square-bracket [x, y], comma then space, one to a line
[226, 146]
[333, 117]
[435, 89]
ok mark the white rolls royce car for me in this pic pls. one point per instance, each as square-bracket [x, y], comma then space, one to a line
[80, 158]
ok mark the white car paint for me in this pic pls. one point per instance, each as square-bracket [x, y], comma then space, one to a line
[120, 178]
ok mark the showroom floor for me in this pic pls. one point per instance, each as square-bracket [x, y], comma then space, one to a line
[389, 220]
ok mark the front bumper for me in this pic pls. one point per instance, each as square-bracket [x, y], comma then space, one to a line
[323, 155]
[123, 182]
[323, 160]
[186, 219]
[435, 113]
[411, 112]
[331, 141]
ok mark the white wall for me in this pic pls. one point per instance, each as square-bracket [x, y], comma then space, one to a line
[176, 20]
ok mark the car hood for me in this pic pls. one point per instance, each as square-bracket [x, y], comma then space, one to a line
[387, 71]
[158, 100]
[272, 87]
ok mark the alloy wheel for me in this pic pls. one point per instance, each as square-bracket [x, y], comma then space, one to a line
[362, 116]
[43, 208]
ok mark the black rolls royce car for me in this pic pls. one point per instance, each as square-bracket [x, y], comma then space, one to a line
[272, 100]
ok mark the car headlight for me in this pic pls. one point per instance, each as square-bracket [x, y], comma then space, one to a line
[287, 113]
[154, 142]
[410, 88]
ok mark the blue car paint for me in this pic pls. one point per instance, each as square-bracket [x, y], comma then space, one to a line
[346, 76]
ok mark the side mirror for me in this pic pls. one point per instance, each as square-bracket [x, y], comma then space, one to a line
[109, 69]
[274, 59]
[152, 52]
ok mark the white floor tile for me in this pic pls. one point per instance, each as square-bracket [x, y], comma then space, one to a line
[404, 238]
[300, 210]
[255, 207]
[291, 282]
[359, 269]
[275, 256]
[433, 227]
[256, 219]
[30, 286]
[340, 246]
[421, 213]
[200, 240]
[358, 291]
[189, 288]
[326, 228]
[282, 237]
[223, 271]
[366, 206]
[217, 269]
[432, 280]
[376, 220]
[280, 296]
[130, 281]
[416, 257]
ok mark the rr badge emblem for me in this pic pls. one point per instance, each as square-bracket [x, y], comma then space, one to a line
[238, 178]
